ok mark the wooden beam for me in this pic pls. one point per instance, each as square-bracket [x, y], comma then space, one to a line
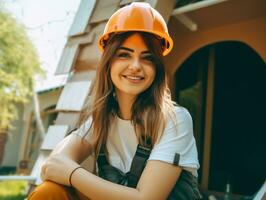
[25, 145]
[54, 135]
[208, 120]
[36, 170]
[17, 178]
[73, 96]
[82, 17]
[196, 6]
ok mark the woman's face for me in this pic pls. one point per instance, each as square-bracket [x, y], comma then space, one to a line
[132, 69]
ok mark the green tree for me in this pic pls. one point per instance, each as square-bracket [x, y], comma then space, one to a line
[18, 65]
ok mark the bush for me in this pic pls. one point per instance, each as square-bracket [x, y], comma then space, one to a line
[13, 190]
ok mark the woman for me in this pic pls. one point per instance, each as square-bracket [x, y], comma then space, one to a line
[131, 107]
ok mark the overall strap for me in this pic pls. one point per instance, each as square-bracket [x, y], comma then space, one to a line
[101, 159]
[138, 163]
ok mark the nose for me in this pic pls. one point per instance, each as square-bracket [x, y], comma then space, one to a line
[135, 65]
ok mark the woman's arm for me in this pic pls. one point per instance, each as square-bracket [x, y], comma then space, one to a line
[69, 153]
[74, 147]
[156, 183]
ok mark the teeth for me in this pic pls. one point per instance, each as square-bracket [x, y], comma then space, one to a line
[134, 77]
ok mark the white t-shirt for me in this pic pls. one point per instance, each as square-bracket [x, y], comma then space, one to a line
[122, 142]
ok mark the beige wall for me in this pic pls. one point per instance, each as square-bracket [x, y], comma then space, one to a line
[251, 32]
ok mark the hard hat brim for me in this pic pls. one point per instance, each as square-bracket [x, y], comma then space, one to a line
[166, 50]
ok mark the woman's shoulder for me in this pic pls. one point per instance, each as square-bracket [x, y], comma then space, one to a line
[179, 121]
[181, 113]
[84, 127]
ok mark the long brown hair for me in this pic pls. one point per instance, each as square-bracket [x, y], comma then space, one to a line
[155, 102]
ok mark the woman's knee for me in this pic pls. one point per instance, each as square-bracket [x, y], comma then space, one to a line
[49, 190]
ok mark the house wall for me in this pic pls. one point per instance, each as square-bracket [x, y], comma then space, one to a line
[17, 138]
[14, 137]
[251, 32]
[48, 99]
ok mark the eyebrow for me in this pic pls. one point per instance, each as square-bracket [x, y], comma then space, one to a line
[132, 50]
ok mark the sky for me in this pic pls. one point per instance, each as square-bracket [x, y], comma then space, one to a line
[47, 23]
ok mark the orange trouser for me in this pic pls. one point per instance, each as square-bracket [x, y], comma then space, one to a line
[49, 190]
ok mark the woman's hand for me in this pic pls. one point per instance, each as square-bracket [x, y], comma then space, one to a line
[58, 168]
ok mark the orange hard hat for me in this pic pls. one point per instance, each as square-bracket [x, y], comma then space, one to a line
[138, 16]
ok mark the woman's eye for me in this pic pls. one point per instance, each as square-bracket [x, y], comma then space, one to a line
[149, 58]
[123, 55]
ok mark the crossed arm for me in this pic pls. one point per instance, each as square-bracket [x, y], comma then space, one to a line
[156, 182]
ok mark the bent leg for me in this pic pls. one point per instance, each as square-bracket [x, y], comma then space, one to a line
[49, 190]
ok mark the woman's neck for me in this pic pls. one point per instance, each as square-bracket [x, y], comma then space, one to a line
[125, 103]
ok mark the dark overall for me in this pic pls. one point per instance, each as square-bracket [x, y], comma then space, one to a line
[186, 188]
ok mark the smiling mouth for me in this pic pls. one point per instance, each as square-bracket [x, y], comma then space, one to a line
[133, 79]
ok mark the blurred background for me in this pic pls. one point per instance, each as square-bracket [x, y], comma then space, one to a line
[216, 70]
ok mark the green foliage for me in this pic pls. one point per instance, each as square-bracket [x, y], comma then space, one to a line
[18, 65]
[13, 190]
